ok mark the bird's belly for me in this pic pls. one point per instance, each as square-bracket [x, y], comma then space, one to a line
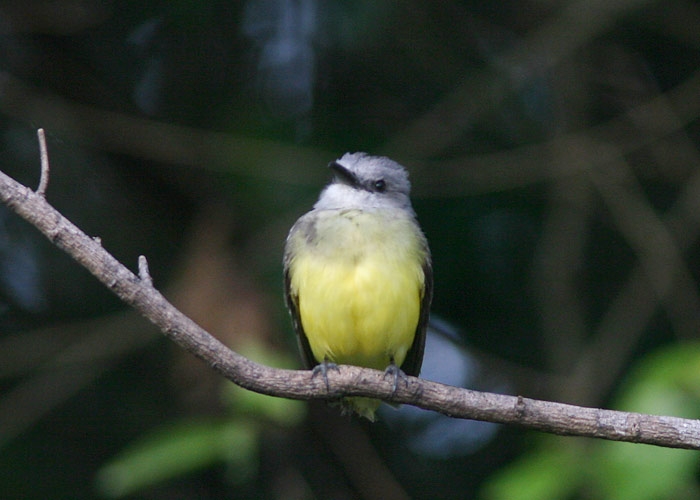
[363, 312]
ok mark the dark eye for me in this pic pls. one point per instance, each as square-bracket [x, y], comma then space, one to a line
[380, 185]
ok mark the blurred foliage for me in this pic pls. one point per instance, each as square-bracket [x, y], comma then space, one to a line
[665, 382]
[180, 448]
[553, 149]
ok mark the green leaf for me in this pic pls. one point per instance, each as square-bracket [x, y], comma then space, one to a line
[281, 411]
[666, 382]
[551, 472]
[177, 450]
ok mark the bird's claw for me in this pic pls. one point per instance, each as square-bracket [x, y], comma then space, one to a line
[397, 373]
[323, 369]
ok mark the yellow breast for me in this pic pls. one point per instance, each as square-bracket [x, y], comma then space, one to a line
[359, 281]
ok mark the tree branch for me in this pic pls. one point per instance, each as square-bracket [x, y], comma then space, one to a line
[138, 292]
[44, 155]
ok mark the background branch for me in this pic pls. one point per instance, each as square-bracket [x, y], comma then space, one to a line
[139, 292]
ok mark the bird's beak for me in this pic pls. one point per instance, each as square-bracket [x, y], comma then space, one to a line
[342, 174]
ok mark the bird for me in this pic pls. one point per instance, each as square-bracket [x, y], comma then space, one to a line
[358, 275]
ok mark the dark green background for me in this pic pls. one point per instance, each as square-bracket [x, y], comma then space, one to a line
[553, 150]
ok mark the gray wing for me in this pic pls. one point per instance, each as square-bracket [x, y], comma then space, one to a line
[292, 301]
[293, 305]
[414, 357]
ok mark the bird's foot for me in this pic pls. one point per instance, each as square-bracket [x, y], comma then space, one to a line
[323, 369]
[397, 373]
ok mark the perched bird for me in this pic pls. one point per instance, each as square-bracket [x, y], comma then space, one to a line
[358, 274]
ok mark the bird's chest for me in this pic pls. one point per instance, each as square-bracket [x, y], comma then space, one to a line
[358, 282]
[352, 236]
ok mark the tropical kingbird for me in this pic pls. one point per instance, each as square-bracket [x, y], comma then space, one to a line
[358, 274]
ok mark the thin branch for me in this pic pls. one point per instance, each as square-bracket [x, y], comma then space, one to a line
[163, 142]
[488, 172]
[557, 260]
[571, 28]
[144, 273]
[545, 416]
[44, 154]
[658, 251]
[89, 350]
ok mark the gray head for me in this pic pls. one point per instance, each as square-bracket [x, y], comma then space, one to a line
[365, 182]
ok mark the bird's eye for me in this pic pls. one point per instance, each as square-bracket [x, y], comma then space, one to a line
[380, 185]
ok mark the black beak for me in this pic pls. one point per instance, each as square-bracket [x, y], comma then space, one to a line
[342, 174]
